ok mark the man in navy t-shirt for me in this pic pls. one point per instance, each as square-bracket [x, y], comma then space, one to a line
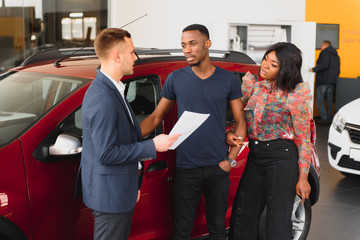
[207, 145]
[203, 162]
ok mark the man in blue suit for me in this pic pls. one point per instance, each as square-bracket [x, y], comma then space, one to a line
[112, 141]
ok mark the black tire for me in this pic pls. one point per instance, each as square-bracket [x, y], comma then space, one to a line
[350, 175]
[301, 218]
[10, 231]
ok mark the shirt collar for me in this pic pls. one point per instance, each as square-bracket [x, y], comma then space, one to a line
[119, 85]
[271, 88]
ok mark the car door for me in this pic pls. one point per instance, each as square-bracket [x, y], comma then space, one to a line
[55, 212]
[153, 213]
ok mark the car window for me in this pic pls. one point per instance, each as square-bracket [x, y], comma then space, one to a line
[73, 124]
[229, 116]
[25, 97]
[143, 95]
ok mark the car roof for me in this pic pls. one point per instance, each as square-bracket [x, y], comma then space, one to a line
[85, 67]
[83, 62]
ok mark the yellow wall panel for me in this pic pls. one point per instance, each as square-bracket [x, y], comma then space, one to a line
[346, 14]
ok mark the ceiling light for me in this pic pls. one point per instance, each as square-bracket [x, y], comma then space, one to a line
[76, 15]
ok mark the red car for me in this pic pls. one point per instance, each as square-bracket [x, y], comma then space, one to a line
[40, 147]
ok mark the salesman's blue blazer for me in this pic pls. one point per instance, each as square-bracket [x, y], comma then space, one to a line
[112, 148]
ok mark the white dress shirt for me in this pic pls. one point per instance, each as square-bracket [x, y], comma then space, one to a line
[121, 88]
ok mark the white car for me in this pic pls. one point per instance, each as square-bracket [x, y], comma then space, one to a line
[344, 139]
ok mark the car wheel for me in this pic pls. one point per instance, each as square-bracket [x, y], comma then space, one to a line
[300, 217]
[350, 175]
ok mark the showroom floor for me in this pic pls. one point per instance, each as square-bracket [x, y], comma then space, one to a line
[336, 215]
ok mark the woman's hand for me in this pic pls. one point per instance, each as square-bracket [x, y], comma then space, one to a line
[303, 188]
[233, 140]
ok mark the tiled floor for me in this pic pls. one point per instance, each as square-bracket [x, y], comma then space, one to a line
[336, 216]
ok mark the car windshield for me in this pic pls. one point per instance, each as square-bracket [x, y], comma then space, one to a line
[25, 97]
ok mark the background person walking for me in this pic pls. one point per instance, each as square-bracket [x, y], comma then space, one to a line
[327, 71]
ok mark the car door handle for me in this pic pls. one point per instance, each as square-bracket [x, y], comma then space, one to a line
[156, 166]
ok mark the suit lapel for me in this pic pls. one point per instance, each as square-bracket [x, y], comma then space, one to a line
[105, 80]
[136, 124]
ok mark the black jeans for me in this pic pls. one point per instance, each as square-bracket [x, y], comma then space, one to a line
[214, 184]
[269, 179]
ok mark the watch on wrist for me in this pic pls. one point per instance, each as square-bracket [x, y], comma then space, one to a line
[231, 161]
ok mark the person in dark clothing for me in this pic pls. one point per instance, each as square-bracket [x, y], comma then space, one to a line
[327, 71]
[203, 162]
[112, 143]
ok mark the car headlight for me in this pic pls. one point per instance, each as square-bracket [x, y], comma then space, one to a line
[339, 123]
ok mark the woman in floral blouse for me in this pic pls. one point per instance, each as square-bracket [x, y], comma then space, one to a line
[278, 115]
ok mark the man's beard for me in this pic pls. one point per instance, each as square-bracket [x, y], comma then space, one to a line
[195, 64]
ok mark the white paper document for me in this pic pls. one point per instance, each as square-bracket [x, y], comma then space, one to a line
[186, 125]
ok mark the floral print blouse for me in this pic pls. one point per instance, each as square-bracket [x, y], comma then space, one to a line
[272, 113]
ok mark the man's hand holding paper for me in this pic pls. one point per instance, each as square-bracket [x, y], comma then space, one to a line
[186, 125]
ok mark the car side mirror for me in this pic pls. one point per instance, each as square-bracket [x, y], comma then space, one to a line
[65, 145]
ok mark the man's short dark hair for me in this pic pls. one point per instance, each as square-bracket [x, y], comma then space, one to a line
[327, 42]
[199, 27]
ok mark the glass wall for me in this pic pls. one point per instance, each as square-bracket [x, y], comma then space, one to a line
[29, 26]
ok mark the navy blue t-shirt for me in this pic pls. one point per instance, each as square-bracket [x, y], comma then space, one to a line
[207, 145]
